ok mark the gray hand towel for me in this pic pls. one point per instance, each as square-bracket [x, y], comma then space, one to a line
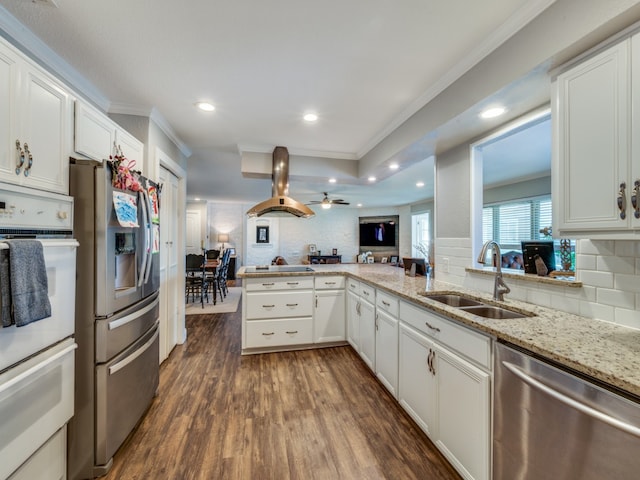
[29, 284]
[6, 319]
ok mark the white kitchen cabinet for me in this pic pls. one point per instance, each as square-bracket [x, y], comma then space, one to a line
[276, 313]
[596, 149]
[96, 136]
[444, 389]
[353, 320]
[330, 310]
[36, 125]
[416, 383]
[387, 341]
[367, 325]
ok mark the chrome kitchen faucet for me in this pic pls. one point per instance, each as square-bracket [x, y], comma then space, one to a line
[499, 287]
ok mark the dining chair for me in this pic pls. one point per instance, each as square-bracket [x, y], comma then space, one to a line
[195, 279]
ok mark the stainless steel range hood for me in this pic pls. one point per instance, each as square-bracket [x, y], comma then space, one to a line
[280, 204]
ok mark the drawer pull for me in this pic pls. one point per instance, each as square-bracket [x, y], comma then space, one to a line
[268, 284]
[386, 304]
[293, 283]
[268, 306]
[268, 334]
[292, 332]
[364, 292]
[621, 201]
[436, 329]
[292, 304]
[329, 283]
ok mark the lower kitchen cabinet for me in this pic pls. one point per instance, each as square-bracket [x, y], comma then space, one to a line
[446, 394]
[329, 316]
[353, 320]
[387, 345]
[367, 329]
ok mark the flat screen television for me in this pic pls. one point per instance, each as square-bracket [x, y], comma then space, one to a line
[378, 234]
[544, 248]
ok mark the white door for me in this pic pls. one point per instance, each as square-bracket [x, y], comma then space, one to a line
[170, 293]
[194, 236]
[329, 316]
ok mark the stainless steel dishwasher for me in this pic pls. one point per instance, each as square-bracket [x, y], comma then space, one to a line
[551, 424]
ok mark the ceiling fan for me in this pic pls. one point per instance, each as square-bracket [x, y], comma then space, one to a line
[326, 203]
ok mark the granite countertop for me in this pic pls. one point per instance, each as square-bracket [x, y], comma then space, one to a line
[602, 350]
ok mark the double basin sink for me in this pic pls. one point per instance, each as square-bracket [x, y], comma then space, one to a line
[476, 307]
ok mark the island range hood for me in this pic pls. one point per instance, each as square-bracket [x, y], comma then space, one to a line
[280, 204]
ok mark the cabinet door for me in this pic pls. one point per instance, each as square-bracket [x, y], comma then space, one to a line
[416, 381]
[329, 316]
[387, 351]
[353, 320]
[634, 179]
[368, 333]
[95, 133]
[45, 126]
[463, 403]
[8, 131]
[132, 148]
[592, 138]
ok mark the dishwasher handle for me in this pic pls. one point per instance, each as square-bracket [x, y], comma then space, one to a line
[587, 410]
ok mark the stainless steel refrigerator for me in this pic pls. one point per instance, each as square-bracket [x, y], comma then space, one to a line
[117, 313]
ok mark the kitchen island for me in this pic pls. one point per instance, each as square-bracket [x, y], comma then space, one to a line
[604, 351]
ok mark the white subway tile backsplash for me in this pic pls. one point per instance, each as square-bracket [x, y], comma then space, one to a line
[628, 283]
[538, 297]
[597, 310]
[595, 247]
[627, 248]
[630, 318]
[586, 262]
[565, 304]
[616, 298]
[616, 264]
[595, 278]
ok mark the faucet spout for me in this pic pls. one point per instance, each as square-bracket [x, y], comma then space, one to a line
[499, 287]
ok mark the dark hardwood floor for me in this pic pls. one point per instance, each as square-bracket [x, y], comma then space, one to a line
[314, 414]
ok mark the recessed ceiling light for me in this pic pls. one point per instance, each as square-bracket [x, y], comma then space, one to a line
[205, 106]
[310, 117]
[372, 179]
[326, 206]
[394, 166]
[197, 199]
[332, 180]
[359, 205]
[493, 112]
[420, 184]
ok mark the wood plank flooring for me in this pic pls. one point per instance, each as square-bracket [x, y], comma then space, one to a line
[315, 414]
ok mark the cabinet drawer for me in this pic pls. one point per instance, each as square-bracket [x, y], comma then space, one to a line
[279, 304]
[387, 302]
[473, 345]
[278, 283]
[329, 282]
[273, 333]
[353, 286]
[49, 462]
[368, 293]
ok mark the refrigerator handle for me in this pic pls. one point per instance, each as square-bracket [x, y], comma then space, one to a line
[145, 250]
[149, 236]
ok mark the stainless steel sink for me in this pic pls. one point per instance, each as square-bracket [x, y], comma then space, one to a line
[489, 311]
[453, 300]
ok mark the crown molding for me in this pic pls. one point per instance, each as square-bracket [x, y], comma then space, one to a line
[301, 152]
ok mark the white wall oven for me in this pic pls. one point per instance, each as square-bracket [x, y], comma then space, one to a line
[37, 359]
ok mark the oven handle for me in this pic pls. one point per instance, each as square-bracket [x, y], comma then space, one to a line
[133, 316]
[49, 243]
[35, 368]
[570, 402]
[116, 367]
[143, 264]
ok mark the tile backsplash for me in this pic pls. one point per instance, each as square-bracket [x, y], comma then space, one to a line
[609, 272]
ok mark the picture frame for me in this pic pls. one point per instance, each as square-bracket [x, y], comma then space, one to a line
[370, 259]
[394, 259]
[232, 250]
[312, 248]
[384, 260]
[334, 251]
[262, 234]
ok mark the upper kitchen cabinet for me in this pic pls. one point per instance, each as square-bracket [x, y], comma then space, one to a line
[596, 173]
[96, 136]
[35, 121]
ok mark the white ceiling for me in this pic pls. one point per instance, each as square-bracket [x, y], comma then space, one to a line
[364, 66]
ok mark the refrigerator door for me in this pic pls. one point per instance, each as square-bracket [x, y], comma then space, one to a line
[120, 262]
[150, 241]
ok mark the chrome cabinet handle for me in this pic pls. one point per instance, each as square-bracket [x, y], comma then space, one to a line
[268, 334]
[293, 283]
[292, 332]
[268, 284]
[292, 304]
[30, 162]
[20, 161]
[587, 410]
[634, 199]
[386, 304]
[268, 306]
[435, 329]
[329, 283]
[621, 201]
